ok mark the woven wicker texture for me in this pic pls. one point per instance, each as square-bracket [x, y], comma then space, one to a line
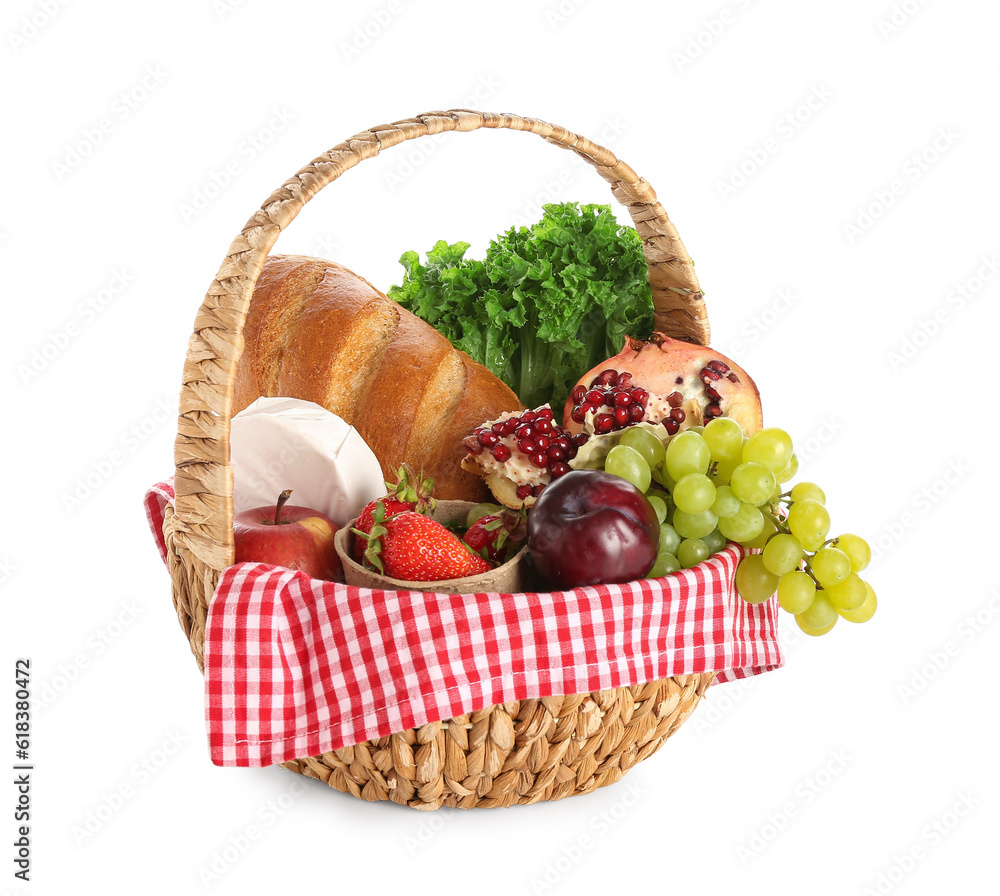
[514, 753]
[522, 752]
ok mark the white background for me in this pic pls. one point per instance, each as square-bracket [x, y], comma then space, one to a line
[836, 291]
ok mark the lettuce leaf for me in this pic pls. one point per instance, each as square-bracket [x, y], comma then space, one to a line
[546, 304]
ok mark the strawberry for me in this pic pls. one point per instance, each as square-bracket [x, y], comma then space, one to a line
[403, 495]
[415, 548]
[497, 536]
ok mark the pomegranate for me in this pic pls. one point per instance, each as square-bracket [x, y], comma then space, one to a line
[666, 381]
[519, 453]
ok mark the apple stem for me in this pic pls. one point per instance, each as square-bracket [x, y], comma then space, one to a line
[282, 498]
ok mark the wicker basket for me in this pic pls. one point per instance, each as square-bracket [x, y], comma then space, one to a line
[520, 752]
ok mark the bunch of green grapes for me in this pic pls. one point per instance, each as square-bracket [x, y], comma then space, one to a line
[710, 485]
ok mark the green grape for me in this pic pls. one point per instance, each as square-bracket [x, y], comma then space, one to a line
[687, 452]
[782, 554]
[770, 447]
[478, 512]
[630, 465]
[694, 493]
[789, 471]
[698, 429]
[694, 525]
[830, 566]
[692, 552]
[659, 507]
[809, 522]
[857, 550]
[821, 611]
[865, 611]
[849, 594]
[744, 525]
[796, 592]
[643, 441]
[715, 540]
[754, 583]
[802, 491]
[669, 539]
[726, 503]
[664, 565]
[725, 438]
[815, 632]
[723, 472]
[763, 536]
[752, 483]
[775, 495]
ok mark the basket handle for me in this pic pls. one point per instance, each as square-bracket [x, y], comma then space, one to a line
[203, 514]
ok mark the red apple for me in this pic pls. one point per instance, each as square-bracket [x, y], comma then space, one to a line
[294, 537]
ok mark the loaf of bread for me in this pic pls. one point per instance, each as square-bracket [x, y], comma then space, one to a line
[318, 332]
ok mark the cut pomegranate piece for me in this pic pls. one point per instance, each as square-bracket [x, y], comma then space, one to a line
[671, 382]
[520, 453]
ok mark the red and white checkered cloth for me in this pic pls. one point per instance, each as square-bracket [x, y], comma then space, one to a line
[295, 667]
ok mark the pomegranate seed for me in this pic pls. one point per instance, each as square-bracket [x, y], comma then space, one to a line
[528, 416]
[622, 399]
[675, 399]
[672, 426]
[718, 366]
[523, 491]
[473, 444]
[679, 380]
[636, 413]
[543, 442]
[579, 414]
[603, 422]
[509, 425]
[543, 427]
[578, 393]
[528, 446]
[558, 470]
[561, 442]
[624, 380]
[621, 416]
[733, 378]
[607, 377]
[595, 398]
[543, 414]
[498, 427]
[500, 453]
[711, 393]
[536, 490]
[713, 410]
[489, 438]
[639, 396]
[556, 453]
[709, 375]
[540, 459]
[571, 452]
[581, 439]
[524, 431]
[678, 415]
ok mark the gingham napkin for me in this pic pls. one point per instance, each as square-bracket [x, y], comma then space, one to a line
[296, 667]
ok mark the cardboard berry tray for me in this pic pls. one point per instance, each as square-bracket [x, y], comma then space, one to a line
[532, 741]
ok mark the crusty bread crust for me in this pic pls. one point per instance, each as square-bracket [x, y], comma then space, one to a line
[284, 286]
[317, 331]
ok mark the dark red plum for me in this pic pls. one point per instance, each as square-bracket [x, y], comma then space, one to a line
[592, 528]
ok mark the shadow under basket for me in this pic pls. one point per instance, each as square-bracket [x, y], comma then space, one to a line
[520, 752]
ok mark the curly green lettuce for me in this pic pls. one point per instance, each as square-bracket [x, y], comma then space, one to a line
[545, 305]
